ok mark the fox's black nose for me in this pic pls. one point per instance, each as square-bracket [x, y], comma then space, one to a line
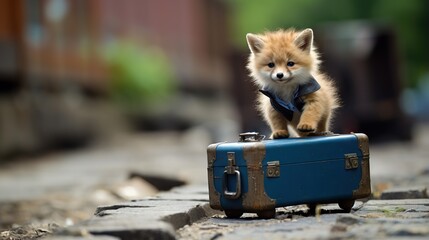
[279, 75]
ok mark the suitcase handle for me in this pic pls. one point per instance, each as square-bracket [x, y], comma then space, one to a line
[251, 137]
[226, 192]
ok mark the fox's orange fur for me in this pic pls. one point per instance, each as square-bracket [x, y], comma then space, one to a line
[271, 68]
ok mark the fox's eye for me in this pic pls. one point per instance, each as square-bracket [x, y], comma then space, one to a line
[271, 65]
[290, 64]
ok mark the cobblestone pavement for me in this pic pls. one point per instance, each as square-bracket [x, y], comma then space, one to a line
[399, 208]
[41, 194]
[375, 219]
[170, 154]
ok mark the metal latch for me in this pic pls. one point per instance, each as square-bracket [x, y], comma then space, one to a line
[351, 161]
[251, 137]
[273, 169]
[231, 169]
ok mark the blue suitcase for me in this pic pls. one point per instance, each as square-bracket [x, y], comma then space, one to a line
[256, 176]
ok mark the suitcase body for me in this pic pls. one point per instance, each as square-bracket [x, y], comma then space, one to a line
[257, 176]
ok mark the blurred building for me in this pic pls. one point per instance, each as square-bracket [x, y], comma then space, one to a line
[51, 60]
[58, 38]
[363, 58]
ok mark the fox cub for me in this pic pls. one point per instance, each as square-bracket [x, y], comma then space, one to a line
[293, 93]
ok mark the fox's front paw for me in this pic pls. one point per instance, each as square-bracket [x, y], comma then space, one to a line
[305, 127]
[280, 134]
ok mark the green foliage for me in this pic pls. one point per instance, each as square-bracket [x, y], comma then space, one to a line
[409, 18]
[139, 76]
[258, 16]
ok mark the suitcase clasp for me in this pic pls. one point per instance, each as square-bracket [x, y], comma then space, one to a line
[251, 137]
[273, 169]
[231, 169]
[351, 161]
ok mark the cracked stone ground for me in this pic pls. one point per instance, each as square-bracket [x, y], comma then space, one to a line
[41, 194]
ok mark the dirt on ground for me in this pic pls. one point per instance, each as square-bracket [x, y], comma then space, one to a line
[36, 218]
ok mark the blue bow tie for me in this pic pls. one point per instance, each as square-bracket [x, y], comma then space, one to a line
[297, 103]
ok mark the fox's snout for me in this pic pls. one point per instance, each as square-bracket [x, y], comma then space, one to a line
[280, 75]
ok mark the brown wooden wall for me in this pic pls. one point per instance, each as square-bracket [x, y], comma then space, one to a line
[193, 33]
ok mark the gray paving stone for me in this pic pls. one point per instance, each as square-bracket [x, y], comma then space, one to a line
[407, 230]
[334, 207]
[384, 226]
[404, 209]
[151, 218]
[172, 206]
[124, 227]
[398, 202]
[302, 228]
[91, 237]
[405, 193]
[192, 192]
[396, 211]
[349, 219]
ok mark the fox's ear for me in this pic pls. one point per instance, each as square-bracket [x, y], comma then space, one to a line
[305, 40]
[255, 43]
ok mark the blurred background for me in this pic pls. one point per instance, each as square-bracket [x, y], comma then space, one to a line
[73, 71]
[135, 90]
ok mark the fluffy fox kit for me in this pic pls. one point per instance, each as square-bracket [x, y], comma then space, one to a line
[293, 93]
